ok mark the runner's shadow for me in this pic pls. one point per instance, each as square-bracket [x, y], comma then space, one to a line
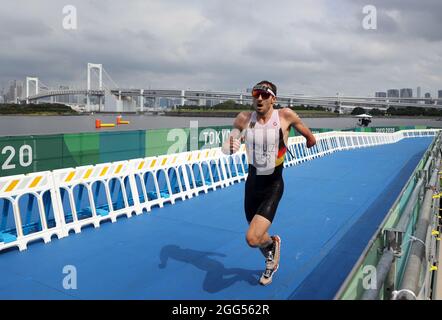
[218, 277]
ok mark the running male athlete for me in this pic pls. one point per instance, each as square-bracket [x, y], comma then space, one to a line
[266, 132]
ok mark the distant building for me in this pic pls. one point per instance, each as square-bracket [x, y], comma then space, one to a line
[418, 92]
[439, 94]
[393, 93]
[382, 95]
[428, 96]
[165, 103]
[406, 93]
[15, 91]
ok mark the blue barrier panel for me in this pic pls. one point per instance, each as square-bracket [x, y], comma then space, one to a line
[30, 216]
[139, 188]
[173, 180]
[100, 199]
[191, 177]
[67, 209]
[181, 174]
[129, 196]
[197, 175]
[162, 184]
[48, 209]
[82, 203]
[149, 182]
[232, 167]
[206, 174]
[8, 232]
[116, 193]
[215, 171]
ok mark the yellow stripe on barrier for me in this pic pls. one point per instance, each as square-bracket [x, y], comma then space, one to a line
[103, 172]
[164, 161]
[199, 154]
[436, 196]
[118, 169]
[434, 233]
[207, 153]
[70, 176]
[141, 165]
[153, 163]
[12, 185]
[35, 182]
[433, 268]
[174, 159]
[88, 173]
[189, 157]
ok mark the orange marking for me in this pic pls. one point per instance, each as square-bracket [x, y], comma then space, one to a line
[35, 182]
[103, 172]
[12, 185]
[88, 173]
[70, 176]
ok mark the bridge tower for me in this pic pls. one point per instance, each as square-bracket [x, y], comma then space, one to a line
[28, 80]
[90, 67]
[141, 100]
[183, 97]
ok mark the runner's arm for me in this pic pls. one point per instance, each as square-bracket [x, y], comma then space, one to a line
[299, 126]
[233, 142]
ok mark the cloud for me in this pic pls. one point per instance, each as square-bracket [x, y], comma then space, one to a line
[311, 47]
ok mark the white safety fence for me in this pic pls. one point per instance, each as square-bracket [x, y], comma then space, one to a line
[41, 205]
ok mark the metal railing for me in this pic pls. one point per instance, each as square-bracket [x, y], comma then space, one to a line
[403, 249]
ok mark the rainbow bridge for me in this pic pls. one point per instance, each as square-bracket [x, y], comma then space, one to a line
[173, 226]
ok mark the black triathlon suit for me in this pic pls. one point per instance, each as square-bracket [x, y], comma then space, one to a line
[263, 193]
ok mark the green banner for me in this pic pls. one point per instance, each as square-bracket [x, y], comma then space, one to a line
[122, 145]
[24, 154]
[80, 149]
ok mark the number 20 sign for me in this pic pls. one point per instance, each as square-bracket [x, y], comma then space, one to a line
[10, 155]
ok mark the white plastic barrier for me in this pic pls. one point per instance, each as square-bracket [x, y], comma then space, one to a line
[69, 199]
[329, 142]
[90, 194]
[148, 174]
[32, 200]
[419, 133]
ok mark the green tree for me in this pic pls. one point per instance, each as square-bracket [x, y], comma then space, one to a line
[376, 112]
[358, 110]
[391, 111]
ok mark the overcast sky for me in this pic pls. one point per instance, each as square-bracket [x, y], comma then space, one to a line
[308, 46]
